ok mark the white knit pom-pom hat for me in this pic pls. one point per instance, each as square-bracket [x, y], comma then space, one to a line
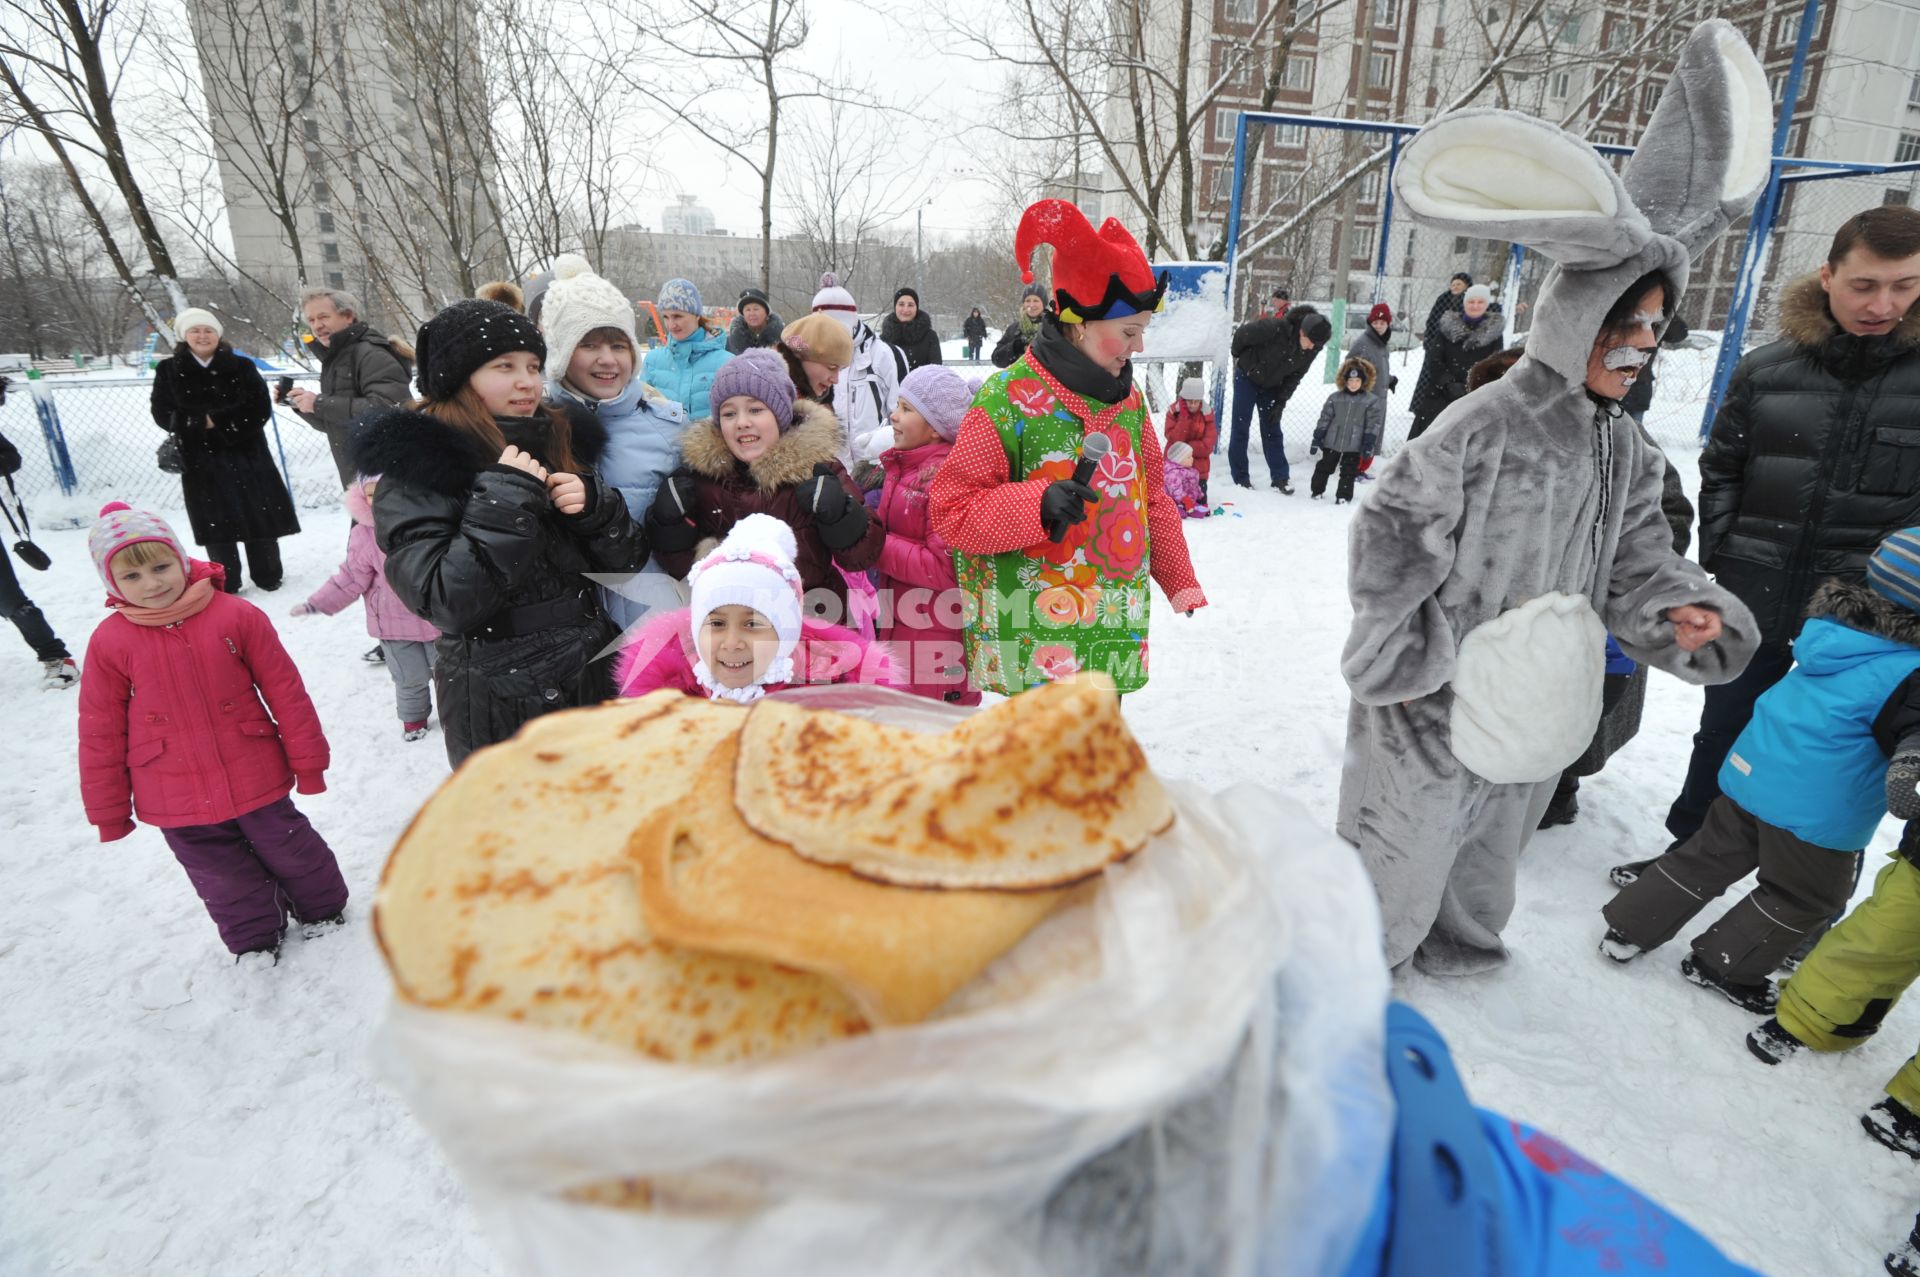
[574, 304]
[752, 568]
[836, 301]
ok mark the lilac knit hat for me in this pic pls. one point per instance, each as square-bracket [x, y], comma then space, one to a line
[121, 526]
[939, 394]
[761, 374]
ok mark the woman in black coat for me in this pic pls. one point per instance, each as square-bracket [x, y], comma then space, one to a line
[215, 404]
[910, 332]
[1459, 340]
[491, 517]
[975, 331]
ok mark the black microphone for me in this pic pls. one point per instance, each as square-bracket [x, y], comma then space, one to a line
[1092, 449]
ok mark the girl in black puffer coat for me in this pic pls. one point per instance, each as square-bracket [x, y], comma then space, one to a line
[490, 516]
[218, 413]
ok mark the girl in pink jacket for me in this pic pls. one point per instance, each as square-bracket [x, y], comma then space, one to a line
[193, 717]
[747, 633]
[920, 605]
[406, 641]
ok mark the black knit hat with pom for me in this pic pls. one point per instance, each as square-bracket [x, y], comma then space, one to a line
[463, 338]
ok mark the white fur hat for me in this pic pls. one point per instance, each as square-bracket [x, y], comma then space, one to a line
[1478, 293]
[752, 568]
[195, 317]
[836, 301]
[1193, 388]
[574, 304]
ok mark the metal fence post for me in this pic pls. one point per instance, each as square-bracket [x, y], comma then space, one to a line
[1510, 288]
[56, 438]
[1233, 250]
[1753, 264]
[1386, 217]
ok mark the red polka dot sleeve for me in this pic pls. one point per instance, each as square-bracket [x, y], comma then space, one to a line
[975, 509]
[1166, 535]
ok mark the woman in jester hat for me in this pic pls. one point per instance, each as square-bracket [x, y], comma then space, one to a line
[1054, 572]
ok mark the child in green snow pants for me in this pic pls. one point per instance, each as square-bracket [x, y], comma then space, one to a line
[1842, 992]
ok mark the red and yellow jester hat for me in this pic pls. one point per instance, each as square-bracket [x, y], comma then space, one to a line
[1096, 274]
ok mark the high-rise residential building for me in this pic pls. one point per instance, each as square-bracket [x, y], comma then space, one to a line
[352, 150]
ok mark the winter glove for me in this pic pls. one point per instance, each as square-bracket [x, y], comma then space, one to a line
[1903, 786]
[672, 530]
[840, 522]
[1064, 504]
[310, 783]
[1393, 383]
[115, 832]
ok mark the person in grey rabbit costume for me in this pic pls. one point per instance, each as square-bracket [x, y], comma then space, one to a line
[1500, 547]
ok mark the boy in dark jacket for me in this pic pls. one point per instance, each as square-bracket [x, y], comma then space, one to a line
[1351, 421]
[57, 669]
[1269, 358]
[1802, 791]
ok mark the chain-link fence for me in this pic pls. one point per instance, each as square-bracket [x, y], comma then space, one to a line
[85, 441]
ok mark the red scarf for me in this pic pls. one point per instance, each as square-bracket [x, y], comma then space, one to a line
[204, 580]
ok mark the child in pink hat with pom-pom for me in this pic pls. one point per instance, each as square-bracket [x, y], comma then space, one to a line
[193, 717]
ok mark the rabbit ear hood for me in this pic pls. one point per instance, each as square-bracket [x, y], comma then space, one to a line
[1503, 175]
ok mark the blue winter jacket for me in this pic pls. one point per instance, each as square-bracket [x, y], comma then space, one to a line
[1812, 761]
[683, 370]
[643, 447]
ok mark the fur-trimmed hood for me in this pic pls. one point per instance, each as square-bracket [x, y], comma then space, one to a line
[1858, 608]
[1806, 321]
[1350, 364]
[1453, 326]
[411, 447]
[815, 436]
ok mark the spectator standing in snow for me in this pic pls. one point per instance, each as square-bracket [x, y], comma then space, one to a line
[57, 669]
[361, 370]
[684, 367]
[406, 641]
[1270, 356]
[1062, 568]
[194, 719]
[754, 324]
[1372, 347]
[1189, 422]
[909, 331]
[1813, 458]
[1459, 340]
[1803, 789]
[1018, 335]
[869, 384]
[975, 331]
[1448, 300]
[1276, 307]
[1351, 422]
[215, 404]
[590, 332]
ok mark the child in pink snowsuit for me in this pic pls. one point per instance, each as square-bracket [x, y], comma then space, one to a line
[1183, 482]
[193, 717]
[920, 604]
[746, 634]
[406, 641]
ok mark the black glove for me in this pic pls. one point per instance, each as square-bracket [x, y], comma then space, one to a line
[841, 522]
[822, 496]
[1313, 449]
[1903, 786]
[670, 522]
[1064, 503]
[1393, 383]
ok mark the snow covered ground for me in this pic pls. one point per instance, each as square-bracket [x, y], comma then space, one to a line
[164, 1112]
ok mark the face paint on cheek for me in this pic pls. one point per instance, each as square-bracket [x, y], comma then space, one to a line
[1113, 348]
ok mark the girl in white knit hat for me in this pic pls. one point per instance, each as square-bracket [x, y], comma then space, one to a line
[746, 634]
[591, 362]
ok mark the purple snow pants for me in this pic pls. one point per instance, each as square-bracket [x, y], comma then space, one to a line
[251, 870]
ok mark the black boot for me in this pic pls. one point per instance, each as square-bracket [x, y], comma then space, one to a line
[1892, 1123]
[1771, 1043]
[1757, 998]
[375, 655]
[1565, 805]
[1905, 1262]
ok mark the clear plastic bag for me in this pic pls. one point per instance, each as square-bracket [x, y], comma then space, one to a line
[1181, 1076]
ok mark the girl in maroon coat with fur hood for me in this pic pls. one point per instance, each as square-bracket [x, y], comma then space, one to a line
[193, 717]
[763, 453]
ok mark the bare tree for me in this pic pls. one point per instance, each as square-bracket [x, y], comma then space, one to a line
[839, 189]
[731, 44]
[61, 62]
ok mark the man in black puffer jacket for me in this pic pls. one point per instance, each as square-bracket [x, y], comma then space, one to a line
[1269, 358]
[1813, 460]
